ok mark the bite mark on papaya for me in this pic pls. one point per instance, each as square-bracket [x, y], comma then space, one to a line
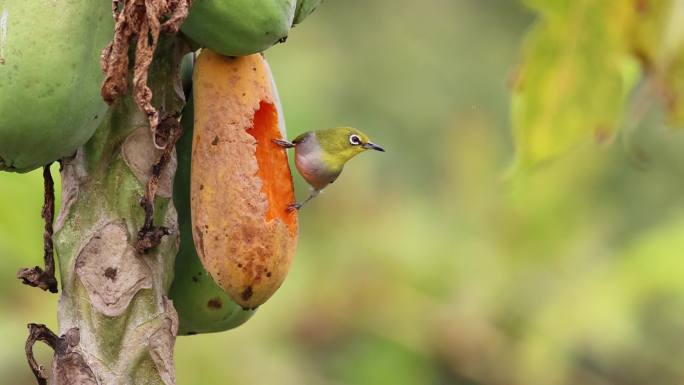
[273, 169]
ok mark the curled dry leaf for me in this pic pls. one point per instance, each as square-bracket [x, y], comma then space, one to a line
[139, 22]
[241, 182]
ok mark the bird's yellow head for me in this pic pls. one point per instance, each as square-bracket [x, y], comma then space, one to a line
[343, 143]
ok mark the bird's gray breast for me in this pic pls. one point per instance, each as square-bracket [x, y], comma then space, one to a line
[309, 162]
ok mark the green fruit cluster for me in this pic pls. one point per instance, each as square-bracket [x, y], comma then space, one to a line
[244, 27]
[50, 78]
[202, 306]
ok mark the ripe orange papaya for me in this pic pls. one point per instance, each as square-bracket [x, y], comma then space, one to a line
[241, 184]
[202, 306]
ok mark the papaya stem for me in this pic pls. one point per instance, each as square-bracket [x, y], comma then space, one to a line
[114, 302]
[149, 236]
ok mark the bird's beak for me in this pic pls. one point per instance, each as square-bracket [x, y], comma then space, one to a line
[372, 146]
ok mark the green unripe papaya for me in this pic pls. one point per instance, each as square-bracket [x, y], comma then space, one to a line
[50, 78]
[186, 67]
[202, 306]
[239, 27]
[304, 9]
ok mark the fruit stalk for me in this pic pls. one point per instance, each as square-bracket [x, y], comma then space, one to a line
[113, 312]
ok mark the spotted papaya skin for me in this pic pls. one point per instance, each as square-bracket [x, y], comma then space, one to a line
[202, 306]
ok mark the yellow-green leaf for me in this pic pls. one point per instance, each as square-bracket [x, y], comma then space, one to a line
[570, 86]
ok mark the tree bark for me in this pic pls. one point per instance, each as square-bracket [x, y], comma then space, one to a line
[118, 325]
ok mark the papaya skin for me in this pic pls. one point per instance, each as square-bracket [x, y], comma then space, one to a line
[239, 27]
[50, 78]
[202, 306]
[304, 9]
[241, 181]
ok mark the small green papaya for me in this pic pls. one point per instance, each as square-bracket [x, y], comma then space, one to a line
[239, 27]
[304, 9]
[50, 78]
[202, 306]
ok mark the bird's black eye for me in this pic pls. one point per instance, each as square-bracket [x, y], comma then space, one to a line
[354, 139]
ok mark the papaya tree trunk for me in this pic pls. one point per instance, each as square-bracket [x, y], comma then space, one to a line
[116, 322]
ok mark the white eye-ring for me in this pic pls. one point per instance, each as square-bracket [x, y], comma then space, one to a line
[354, 139]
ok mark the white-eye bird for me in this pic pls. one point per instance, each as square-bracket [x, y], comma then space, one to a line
[321, 155]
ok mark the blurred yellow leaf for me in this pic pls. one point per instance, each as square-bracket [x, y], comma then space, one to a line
[671, 63]
[569, 85]
[658, 41]
[649, 28]
[577, 70]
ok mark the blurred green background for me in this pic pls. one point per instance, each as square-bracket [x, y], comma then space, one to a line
[425, 265]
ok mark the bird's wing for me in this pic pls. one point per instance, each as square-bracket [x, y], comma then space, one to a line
[334, 176]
